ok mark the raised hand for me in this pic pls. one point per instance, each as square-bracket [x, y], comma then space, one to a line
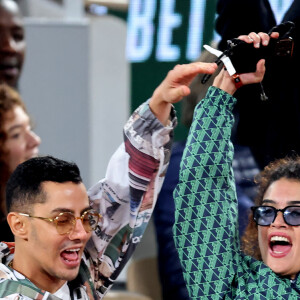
[176, 86]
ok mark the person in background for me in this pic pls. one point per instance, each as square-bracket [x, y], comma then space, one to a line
[18, 143]
[15, 147]
[249, 134]
[170, 273]
[12, 43]
[271, 134]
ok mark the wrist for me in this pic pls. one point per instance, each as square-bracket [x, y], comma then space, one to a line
[226, 84]
[237, 80]
[160, 108]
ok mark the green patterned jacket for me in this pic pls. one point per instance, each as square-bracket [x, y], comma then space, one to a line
[205, 229]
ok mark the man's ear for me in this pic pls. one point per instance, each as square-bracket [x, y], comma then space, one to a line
[18, 224]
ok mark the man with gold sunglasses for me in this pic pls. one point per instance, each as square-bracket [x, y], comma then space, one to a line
[70, 243]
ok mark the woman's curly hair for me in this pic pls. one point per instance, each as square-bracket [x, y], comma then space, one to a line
[9, 98]
[288, 168]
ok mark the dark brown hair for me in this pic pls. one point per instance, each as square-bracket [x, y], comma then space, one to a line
[25, 185]
[288, 168]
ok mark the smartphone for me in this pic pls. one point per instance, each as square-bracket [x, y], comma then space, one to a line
[244, 56]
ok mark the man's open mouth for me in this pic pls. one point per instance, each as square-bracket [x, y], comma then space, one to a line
[71, 256]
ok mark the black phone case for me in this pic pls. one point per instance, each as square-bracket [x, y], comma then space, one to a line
[244, 56]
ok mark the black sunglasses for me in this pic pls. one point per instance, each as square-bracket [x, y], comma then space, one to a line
[266, 215]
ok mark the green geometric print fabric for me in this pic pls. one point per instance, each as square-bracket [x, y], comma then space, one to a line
[205, 229]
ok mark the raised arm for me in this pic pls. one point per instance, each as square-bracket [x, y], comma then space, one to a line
[127, 195]
[205, 227]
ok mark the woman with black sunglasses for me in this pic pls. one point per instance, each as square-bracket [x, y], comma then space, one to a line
[206, 223]
[273, 232]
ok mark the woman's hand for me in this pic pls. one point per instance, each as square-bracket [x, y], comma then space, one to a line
[225, 82]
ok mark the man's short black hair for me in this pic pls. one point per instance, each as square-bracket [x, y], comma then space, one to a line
[24, 187]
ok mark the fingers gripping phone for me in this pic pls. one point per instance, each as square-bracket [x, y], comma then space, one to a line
[244, 56]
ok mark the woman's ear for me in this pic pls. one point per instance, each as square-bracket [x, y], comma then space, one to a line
[18, 224]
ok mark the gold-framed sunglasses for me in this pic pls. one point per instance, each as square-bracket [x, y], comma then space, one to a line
[65, 221]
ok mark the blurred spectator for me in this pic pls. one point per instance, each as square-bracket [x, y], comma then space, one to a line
[17, 141]
[12, 42]
[170, 272]
[271, 134]
[231, 22]
[17, 144]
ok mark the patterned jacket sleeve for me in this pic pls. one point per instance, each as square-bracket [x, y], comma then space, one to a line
[205, 226]
[127, 195]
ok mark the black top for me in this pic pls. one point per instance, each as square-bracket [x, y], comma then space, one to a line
[274, 132]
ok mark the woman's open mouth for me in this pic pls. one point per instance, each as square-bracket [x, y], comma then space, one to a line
[279, 246]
